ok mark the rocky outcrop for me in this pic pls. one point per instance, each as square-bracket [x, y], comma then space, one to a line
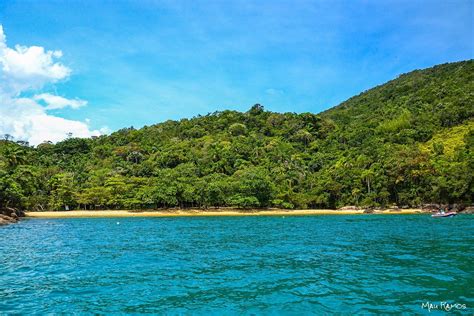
[10, 215]
[430, 207]
[447, 207]
[468, 210]
[456, 207]
[7, 219]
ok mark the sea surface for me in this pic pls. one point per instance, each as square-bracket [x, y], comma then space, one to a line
[356, 264]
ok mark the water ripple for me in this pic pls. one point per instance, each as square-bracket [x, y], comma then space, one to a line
[295, 265]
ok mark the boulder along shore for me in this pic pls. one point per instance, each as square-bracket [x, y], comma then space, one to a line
[10, 215]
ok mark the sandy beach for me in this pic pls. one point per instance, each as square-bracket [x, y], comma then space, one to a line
[213, 212]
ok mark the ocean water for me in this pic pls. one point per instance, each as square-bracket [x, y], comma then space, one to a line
[239, 265]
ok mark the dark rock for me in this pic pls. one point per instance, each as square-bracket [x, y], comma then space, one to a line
[430, 206]
[468, 210]
[10, 215]
[456, 207]
[4, 219]
[9, 210]
[369, 211]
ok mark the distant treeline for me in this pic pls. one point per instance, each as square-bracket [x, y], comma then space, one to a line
[407, 142]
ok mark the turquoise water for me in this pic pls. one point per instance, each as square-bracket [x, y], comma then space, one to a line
[237, 265]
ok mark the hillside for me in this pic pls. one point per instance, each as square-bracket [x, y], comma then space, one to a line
[407, 142]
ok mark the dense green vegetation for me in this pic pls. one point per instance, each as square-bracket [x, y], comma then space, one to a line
[407, 142]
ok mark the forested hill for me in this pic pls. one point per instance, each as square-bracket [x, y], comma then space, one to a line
[407, 142]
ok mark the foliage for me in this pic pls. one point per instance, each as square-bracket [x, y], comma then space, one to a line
[407, 142]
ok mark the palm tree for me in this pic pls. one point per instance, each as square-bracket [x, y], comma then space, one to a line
[368, 176]
[14, 156]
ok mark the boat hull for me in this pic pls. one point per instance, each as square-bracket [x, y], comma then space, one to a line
[450, 214]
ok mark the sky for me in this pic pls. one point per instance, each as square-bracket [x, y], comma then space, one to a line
[93, 67]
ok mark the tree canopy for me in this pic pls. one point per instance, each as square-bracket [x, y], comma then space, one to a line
[407, 142]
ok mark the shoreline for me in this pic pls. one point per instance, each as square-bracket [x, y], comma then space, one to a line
[215, 212]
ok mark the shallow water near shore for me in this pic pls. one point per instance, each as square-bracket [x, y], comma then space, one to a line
[233, 265]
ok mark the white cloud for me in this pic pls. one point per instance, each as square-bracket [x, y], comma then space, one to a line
[54, 102]
[25, 68]
[27, 120]
[29, 69]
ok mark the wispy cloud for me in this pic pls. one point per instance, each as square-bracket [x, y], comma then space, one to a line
[54, 102]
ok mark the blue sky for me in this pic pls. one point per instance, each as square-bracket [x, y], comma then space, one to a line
[141, 62]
